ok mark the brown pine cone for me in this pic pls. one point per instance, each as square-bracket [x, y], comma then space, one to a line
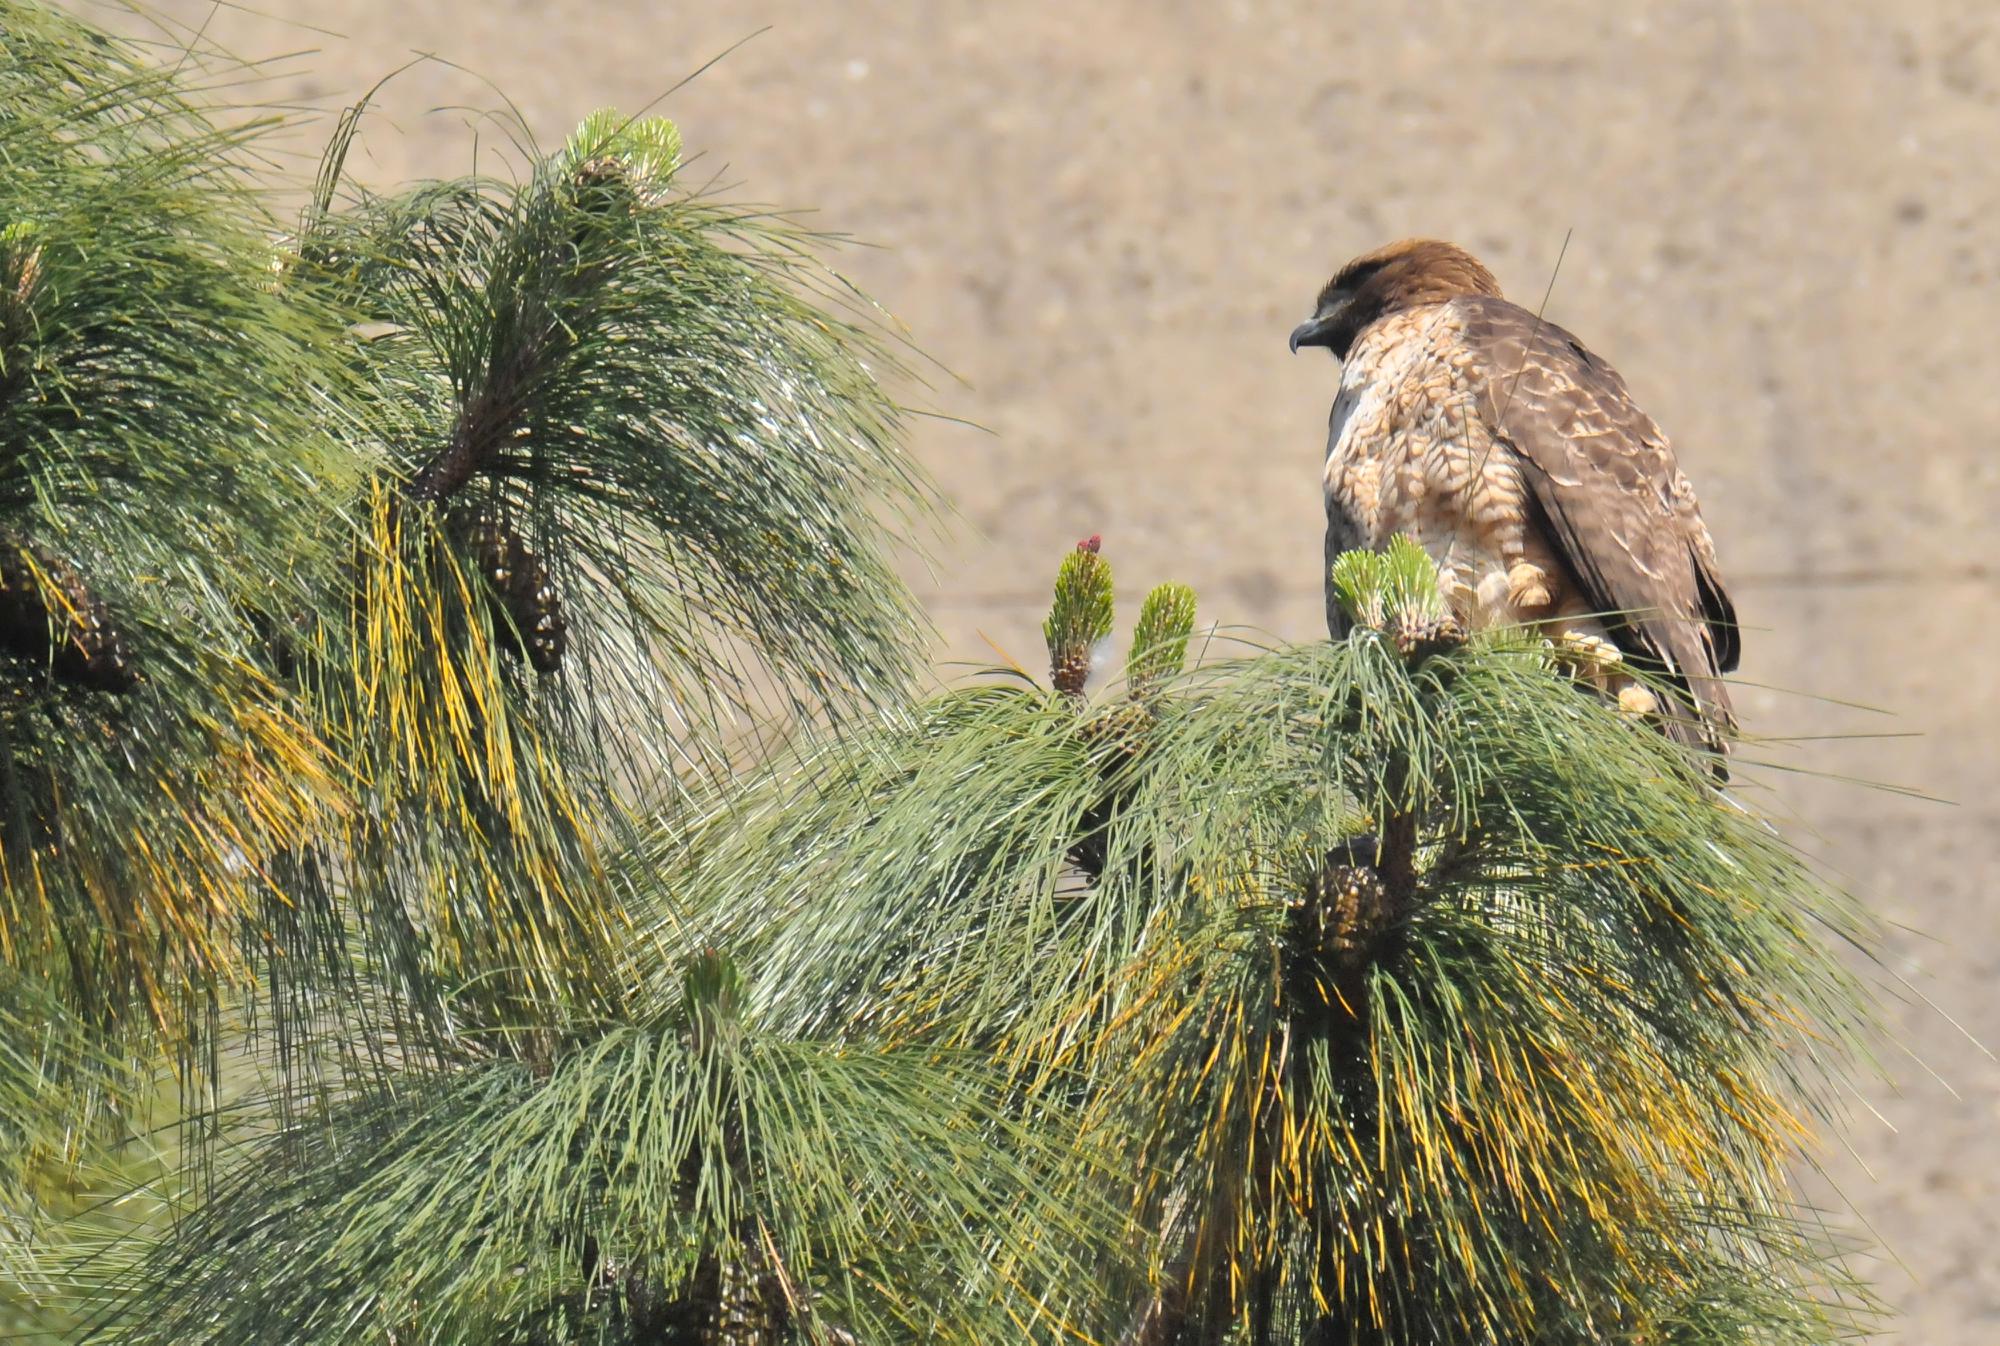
[54, 618]
[1123, 726]
[521, 582]
[538, 611]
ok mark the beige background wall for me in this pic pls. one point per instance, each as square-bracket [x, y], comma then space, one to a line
[1104, 217]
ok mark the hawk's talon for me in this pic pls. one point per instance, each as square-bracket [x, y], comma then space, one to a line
[1591, 659]
[1596, 651]
[1637, 701]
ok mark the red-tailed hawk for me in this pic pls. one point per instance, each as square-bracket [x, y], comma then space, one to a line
[1518, 461]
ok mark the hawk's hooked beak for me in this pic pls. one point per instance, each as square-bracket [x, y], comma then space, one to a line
[1314, 331]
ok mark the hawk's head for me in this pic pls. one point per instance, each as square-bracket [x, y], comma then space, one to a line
[1399, 276]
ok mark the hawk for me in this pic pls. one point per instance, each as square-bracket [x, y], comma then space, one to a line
[1516, 458]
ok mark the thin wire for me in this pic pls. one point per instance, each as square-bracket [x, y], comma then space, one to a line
[1540, 324]
[1540, 310]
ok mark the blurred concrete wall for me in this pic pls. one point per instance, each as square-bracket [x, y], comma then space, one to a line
[1105, 217]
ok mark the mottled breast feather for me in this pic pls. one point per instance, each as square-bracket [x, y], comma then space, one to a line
[1622, 517]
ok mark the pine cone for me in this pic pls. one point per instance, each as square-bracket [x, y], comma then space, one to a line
[1343, 911]
[750, 1306]
[1358, 900]
[520, 580]
[55, 619]
[1419, 635]
[486, 534]
[603, 184]
[538, 611]
[1071, 670]
[1124, 727]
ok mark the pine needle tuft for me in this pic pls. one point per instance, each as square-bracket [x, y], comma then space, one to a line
[1160, 639]
[1395, 592]
[1080, 618]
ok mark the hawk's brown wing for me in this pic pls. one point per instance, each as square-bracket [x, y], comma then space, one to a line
[1617, 509]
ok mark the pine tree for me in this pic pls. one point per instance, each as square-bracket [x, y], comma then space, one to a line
[362, 582]
[1411, 993]
[399, 937]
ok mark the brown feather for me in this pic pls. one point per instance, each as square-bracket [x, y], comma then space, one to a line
[1604, 478]
[1411, 271]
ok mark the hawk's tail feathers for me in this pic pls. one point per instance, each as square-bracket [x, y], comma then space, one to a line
[1699, 714]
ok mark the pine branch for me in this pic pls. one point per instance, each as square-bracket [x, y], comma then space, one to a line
[163, 474]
